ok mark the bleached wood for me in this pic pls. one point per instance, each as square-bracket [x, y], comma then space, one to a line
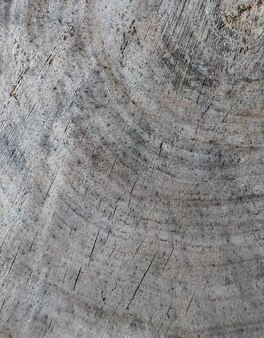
[131, 162]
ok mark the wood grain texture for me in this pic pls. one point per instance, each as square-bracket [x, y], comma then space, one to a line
[132, 166]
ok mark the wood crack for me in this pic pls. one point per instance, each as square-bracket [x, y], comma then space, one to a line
[141, 281]
[77, 277]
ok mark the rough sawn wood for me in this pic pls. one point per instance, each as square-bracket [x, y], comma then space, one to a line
[131, 168]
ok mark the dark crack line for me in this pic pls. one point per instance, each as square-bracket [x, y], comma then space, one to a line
[141, 281]
[93, 246]
[13, 261]
[77, 277]
[167, 261]
[190, 302]
[47, 193]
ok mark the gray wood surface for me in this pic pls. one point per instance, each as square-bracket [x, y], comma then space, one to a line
[131, 168]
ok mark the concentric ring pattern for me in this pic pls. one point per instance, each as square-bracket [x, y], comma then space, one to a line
[134, 196]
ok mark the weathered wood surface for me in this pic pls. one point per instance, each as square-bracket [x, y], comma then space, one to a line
[132, 160]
